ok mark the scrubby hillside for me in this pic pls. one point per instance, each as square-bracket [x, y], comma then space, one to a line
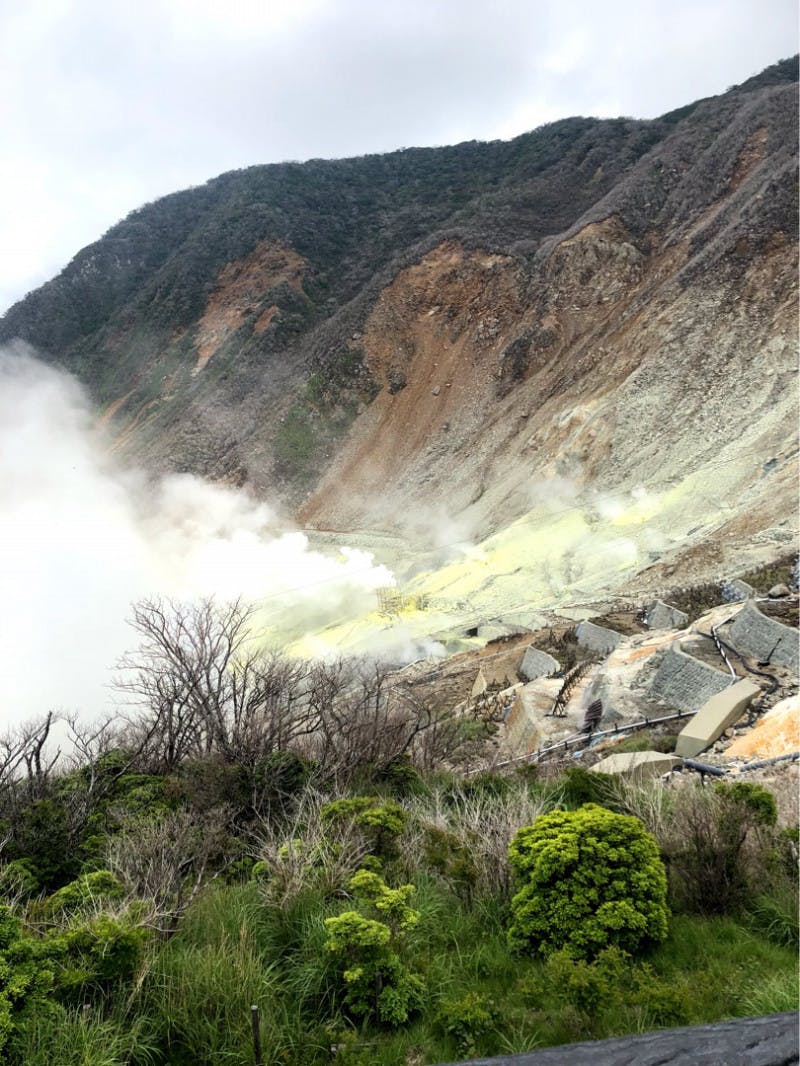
[608, 302]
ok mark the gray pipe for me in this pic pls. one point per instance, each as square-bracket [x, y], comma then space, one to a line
[704, 768]
[770, 762]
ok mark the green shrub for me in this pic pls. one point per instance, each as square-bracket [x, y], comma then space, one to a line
[588, 986]
[85, 891]
[579, 786]
[722, 847]
[756, 799]
[43, 838]
[281, 775]
[26, 979]
[382, 822]
[646, 741]
[450, 857]
[17, 879]
[101, 951]
[377, 982]
[400, 777]
[587, 879]
[467, 1020]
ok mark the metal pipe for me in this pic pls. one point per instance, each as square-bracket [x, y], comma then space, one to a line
[769, 762]
[720, 648]
[704, 768]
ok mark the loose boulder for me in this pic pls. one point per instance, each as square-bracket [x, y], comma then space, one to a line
[777, 592]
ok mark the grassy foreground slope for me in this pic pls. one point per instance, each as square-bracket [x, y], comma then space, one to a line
[184, 898]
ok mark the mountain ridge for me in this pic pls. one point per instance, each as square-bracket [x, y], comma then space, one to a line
[278, 327]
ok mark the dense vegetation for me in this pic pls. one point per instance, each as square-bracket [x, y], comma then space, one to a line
[262, 832]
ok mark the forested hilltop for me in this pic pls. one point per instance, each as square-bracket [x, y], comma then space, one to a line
[312, 840]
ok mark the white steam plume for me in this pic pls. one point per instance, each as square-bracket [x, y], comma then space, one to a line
[82, 539]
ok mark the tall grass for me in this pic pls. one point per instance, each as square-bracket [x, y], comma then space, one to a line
[82, 1038]
[772, 995]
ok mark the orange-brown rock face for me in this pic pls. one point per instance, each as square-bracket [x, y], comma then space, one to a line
[496, 378]
[239, 291]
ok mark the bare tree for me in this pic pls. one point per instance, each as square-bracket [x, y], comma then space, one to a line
[200, 685]
[27, 763]
[164, 862]
[366, 719]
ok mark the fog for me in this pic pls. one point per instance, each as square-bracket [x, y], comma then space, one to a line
[84, 537]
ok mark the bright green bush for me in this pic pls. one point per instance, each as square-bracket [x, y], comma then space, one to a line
[26, 980]
[467, 1019]
[377, 983]
[381, 822]
[587, 879]
[85, 891]
[97, 952]
[390, 903]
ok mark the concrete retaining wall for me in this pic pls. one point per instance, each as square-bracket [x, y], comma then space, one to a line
[537, 663]
[597, 638]
[717, 715]
[521, 733]
[497, 630]
[684, 682]
[660, 615]
[753, 634]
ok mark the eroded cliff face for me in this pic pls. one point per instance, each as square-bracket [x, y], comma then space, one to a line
[240, 291]
[604, 368]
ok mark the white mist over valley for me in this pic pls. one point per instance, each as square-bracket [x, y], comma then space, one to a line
[83, 538]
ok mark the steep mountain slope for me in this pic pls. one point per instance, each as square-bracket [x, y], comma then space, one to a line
[468, 332]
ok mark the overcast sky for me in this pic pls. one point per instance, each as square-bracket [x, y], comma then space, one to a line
[107, 104]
